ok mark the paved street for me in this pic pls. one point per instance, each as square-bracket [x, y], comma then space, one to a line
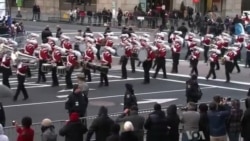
[48, 102]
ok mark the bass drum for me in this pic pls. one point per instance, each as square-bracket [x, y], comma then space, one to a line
[120, 51]
[142, 55]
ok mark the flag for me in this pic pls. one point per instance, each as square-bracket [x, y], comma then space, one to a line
[19, 3]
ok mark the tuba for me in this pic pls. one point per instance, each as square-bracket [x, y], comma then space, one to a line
[5, 48]
[30, 61]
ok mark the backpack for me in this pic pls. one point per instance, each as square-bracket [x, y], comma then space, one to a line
[199, 93]
[50, 135]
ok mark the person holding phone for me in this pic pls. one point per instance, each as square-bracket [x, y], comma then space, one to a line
[25, 132]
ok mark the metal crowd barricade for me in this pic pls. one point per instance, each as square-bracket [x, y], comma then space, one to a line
[20, 38]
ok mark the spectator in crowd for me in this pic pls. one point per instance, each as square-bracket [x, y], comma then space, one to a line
[105, 16]
[38, 12]
[128, 133]
[25, 133]
[173, 121]
[89, 14]
[82, 15]
[115, 133]
[101, 126]
[109, 16]
[45, 34]
[119, 16]
[77, 102]
[58, 32]
[217, 121]
[74, 129]
[99, 15]
[193, 91]
[204, 122]
[234, 121]
[190, 119]
[129, 97]
[137, 121]
[35, 12]
[2, 115]
[218, 100]
[170, 33]
[156, 125]
[245, 122]
[2, 136]
[48, 130]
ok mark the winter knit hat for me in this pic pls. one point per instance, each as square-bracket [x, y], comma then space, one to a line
[46, 122]
[74, 117]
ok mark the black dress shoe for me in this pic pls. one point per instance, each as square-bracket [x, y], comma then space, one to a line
[214, 77]
[100, 85]
[54, 85]
[145, 82]
[14, 99]
[124, 77]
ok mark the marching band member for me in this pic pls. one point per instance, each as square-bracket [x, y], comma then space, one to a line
[78, 43]
[226, 43]
[135, 43]
[65, 42]
[148, 63]
[89, 35]
[11, 43]
[128, 53]
[242, 40]
[106, 61]
[213, 58]
[29, 49]
[21, 71]
[33, 36]
[219, 45]
[89, 56]
[237, 55]
[206, 41]
[161, 62]
[194, 60]
[56, 61]
[71, 64]
[228, 60]
[99, 43]
[190, 44]
[158, 37]
[43, 57]
[176, 49]
[109, 40]
[6, 69]
[175, 35]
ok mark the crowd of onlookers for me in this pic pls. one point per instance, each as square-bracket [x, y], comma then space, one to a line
[221, 120]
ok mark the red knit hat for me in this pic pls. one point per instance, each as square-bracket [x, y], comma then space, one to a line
[74, 116]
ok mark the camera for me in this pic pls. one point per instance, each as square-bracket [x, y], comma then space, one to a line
[13, 122]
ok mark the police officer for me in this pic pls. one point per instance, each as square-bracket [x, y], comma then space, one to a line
[87, 30]
[193, 92]
[129, 97]
[77, 102]
[2, 115]
[21, 71]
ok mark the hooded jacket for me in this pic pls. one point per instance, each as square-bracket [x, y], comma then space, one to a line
[173, 120]
[2, 136]
[245, 122]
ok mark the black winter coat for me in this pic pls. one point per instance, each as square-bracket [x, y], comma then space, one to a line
[101, 126]
[173, 121]
[204, 125]
[245, 123]
[77, 103]
[113, 137]
[73, 131]
[2, 115]
[128, 136]
[192, 87]
[45, 34]
[156, 126]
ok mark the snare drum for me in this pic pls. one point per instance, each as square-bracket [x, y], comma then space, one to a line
[61, 70]
[46, 67]
[142, 55]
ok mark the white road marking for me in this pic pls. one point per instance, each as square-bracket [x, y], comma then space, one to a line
[97, 98]
[68, 90]
[159, 101]
[202, 78]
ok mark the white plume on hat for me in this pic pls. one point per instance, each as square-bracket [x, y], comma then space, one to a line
[214, 46]
[53, 39]
[124, 35]
[46, 122]
[227, 39]
[209, 35]
[237, 44]
[178, 32]
[65, 37]
[94, 49]
[145, 39]
[134, 35]
[192, 34]
[88, 39]
[160, 34]
[154, 48]
[167, 47]
[111, 50]
[219, 37]
[233, 48]
[110, 34]
[32, 41]
[101, 35]
[79, 38]
[159, 41]
[3, 39]
[128, 126]
[226, 34]
[46, 45]
[89, 34]
[34, 35]
[146, 35]
[198, 48]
